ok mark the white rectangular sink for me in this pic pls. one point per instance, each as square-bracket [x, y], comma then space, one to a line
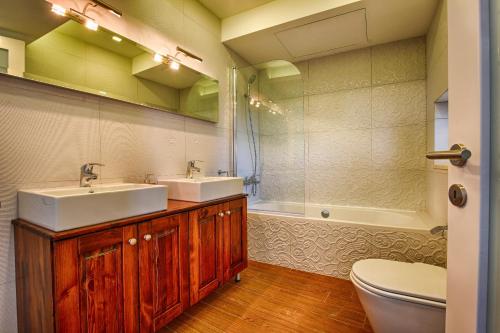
[203, 189]
[67, 208]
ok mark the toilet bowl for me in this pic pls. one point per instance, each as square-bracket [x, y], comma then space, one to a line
[401, 297]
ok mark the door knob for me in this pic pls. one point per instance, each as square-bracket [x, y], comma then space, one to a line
[147, 237]
[132, 241]
[221, 214]
[458, 155]
[228, 212]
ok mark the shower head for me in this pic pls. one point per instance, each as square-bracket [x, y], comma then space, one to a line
[252, 79]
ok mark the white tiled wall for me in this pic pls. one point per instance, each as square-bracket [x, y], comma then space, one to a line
[46, 133]
[363, 122]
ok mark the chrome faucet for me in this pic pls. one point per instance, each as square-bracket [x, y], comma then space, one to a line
[87, 174]
[192, 167]
[221, 172]
[439, 229]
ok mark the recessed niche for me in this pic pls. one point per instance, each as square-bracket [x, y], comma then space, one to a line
[4, 60]
[441, 128]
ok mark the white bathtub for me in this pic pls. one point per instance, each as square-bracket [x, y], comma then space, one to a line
[297, 236]
[392, 218]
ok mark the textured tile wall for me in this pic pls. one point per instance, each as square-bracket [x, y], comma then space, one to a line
[46, 134]
[330, 248]
[362, 120]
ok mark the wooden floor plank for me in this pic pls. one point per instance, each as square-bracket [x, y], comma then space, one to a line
[277, 299]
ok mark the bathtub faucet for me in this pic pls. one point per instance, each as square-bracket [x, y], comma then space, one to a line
[252, 180]
[439, 229]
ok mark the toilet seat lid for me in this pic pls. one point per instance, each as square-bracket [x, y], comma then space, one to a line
[417, 280]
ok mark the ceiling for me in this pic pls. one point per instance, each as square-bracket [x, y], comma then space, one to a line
[226, 8]
[297, 30]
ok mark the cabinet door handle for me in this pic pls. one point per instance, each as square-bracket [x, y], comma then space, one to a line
[228, 212]
[147, 237]
[221, 214]
[132, 241]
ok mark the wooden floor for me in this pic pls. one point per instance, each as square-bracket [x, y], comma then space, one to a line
[276, 299]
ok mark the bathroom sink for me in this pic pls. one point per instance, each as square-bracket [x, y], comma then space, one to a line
[66, 208]
[203, 189]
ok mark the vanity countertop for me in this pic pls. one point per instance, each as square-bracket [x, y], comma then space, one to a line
[174, 207]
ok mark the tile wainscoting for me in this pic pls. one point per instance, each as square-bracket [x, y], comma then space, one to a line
[331, 248]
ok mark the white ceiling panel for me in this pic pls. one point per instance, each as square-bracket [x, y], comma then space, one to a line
[336, 26]
[325, 35]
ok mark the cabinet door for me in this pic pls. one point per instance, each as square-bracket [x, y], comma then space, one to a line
[163, 270]
[96, 282]
[205, 244]
[235, 238]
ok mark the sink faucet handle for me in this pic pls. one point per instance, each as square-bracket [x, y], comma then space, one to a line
[88, 167]
[96, 164]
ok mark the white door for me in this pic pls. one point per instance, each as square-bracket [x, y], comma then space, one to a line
[469, 112]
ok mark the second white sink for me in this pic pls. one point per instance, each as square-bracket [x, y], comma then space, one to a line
[202, 189]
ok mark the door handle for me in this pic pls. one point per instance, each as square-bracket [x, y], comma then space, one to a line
[458, 155]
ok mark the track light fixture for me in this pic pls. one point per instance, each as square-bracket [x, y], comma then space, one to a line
[172, 62]
[82, 17]
[186, 53]
[102, 4]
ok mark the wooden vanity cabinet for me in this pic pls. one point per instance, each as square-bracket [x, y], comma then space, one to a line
[131, 275]
[163, 270]
[95, 283]
[235, 238]
[218, 246]
[205, 251]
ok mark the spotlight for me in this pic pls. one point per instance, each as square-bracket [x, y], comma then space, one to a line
[117, 39]
[58, 10]
[174, 65]
[91, 24]
[158, 58]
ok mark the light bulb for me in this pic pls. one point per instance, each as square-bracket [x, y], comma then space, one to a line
[257, 104]
[174, 65]
[58, 10]
[117, 39]
[158, 57]
[91, 24]
[252, 101]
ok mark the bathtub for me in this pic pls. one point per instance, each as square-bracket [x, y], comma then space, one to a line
[297, 236]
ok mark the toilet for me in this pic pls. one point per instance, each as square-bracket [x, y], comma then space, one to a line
[401, 297]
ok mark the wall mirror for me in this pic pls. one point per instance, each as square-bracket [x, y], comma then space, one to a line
[70, 52]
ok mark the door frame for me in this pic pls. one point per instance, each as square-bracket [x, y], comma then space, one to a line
[469, 119]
